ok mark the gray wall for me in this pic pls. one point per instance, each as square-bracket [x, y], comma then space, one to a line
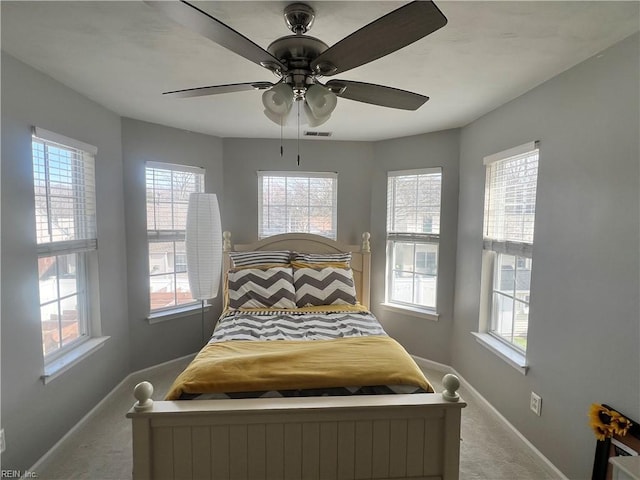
[34, 415]
[143, 142]
[244, 157]
[584, 329]
[420, 336]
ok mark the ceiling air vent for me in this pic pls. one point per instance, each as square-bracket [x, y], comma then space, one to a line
[317, 134]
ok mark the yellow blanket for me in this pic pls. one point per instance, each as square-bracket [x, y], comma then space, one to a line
[243, 366]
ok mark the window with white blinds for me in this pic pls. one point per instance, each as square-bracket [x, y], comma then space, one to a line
[509, 219]
[168, 188]
[413, 237]
[66, 237]
[305, 202]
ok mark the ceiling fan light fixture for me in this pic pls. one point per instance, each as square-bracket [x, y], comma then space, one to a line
[278, 99]
[275, 118]
[311, 119]
[321, 101]
[288, 119]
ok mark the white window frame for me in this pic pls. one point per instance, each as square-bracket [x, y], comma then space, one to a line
[174, 236]
[394, 236]
[265, 230]
[498, 243]
[81, 242]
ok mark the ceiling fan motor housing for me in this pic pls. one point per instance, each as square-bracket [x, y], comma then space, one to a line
[297, 52]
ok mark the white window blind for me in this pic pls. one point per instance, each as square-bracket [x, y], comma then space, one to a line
[64, 188]
[510, 198]
[413, 201]
[303, 202]
[168, 190]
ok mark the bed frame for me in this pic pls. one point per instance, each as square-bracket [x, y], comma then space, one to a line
[360, 437]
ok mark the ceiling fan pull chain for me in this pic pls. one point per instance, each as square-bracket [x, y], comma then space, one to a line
[281, 128]
[298, 102]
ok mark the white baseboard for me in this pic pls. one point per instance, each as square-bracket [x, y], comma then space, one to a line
[140, 373]
[431, 365]
[43, 460]
[441, 367]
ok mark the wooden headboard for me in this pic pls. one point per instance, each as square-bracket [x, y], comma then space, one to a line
[309, 243]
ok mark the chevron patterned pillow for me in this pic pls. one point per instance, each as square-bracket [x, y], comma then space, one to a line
[261, 288]
[324, 286]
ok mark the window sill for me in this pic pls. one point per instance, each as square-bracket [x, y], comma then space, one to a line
[178, 312]
[413, 311]
[514, 358]
[60, 365]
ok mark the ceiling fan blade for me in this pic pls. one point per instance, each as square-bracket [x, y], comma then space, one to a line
[376, 94]
[217, 89]
[201, 22]
[381, 37]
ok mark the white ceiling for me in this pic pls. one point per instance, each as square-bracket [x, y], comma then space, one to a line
[123, 55]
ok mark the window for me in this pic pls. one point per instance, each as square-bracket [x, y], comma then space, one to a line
[413, 237]
[168, 190]
[509, 215]
[65, 215]
[297, 202]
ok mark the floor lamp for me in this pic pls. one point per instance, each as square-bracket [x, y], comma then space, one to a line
[203, 241]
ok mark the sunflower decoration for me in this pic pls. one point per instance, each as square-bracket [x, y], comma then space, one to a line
[606, 422]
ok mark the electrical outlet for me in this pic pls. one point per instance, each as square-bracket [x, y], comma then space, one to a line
[536, 403]
[2, 444]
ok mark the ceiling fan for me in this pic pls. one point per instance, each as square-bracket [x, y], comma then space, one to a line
[301, 60]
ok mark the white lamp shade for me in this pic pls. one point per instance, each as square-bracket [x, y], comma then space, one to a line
[290, 119]
[278, 99]
[277, 119]
[311, 119]
[321, 101]
[204, 245]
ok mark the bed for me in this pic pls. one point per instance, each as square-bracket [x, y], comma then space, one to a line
[299, 380]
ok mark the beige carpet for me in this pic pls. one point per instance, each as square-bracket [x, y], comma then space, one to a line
[101, 448]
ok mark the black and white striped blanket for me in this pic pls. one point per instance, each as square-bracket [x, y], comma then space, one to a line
[283, 325]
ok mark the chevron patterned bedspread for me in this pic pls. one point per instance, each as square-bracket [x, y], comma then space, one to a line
[298, 324]
[347, 340]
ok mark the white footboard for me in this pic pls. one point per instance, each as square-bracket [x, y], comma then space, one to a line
[381, 436]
